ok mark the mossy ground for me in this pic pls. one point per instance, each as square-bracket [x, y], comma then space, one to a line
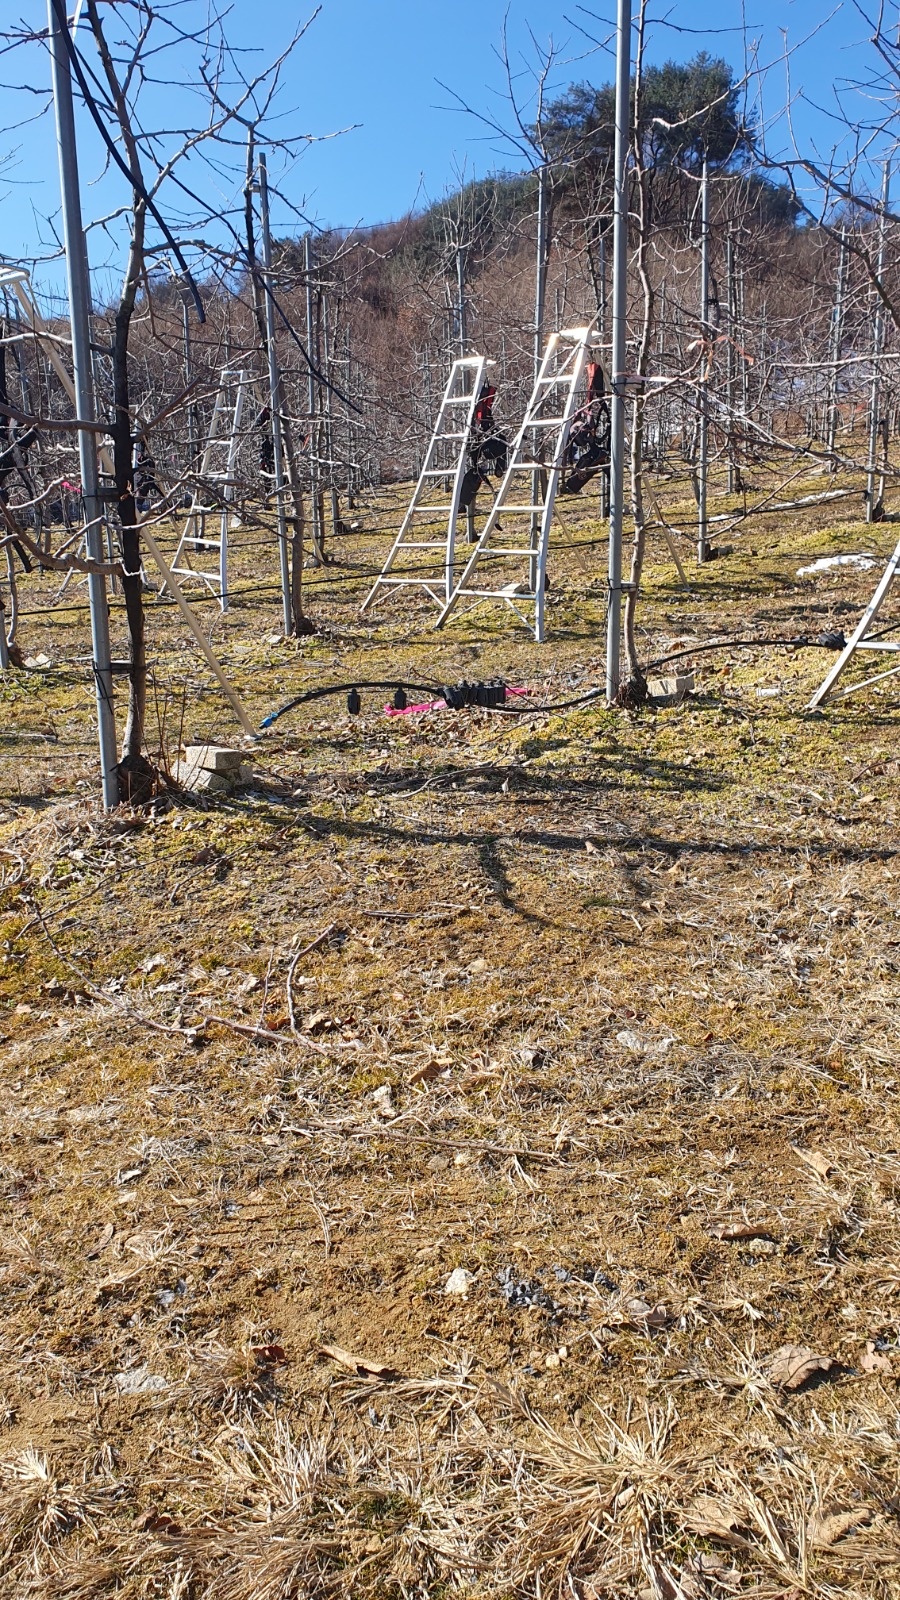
[623, 973]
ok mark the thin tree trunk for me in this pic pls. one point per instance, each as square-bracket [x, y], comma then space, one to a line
[132, 582]
[635, 688]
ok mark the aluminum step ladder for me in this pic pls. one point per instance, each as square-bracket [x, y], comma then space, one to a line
[859, 640]
[517, 552]
[429, 523]
[223, 443]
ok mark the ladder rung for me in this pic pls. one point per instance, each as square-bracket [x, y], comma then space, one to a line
[505, 506]
[493, 550]
[546, 422]
[425, 582]
[438, 436]
[459, 400]
[498, 594]
[421, 511]
[423, 544]
[438, 472]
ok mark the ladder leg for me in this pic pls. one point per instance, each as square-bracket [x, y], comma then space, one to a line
[860, 631]
[554, 374]
[223, 562]
[438, 584]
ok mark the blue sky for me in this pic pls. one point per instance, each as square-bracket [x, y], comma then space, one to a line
[377, 63]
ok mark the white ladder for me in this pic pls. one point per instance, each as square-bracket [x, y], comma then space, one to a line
[544, 433]
[859, 641]
[452, 428]
[228, 410]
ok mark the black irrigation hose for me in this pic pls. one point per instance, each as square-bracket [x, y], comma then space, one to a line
[801, 641]
[348, 688]
[825, 642]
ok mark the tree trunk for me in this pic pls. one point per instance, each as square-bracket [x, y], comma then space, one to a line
[136, 775]
[132, 582]
[634, 690]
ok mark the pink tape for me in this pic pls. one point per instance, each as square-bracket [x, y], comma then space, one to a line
[413, 711]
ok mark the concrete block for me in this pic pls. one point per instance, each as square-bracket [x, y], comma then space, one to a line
[211, 769]
[670, 691]
[213, 757]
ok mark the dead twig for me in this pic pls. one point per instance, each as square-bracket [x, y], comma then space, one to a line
[289, 983]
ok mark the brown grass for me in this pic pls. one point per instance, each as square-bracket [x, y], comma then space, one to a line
[632, 981]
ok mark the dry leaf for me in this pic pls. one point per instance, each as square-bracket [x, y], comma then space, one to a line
[361, 1365]
[316, 1021]
[820, 1164]
[873, 1360]
[268, 1355]
[642, 1315]
[714, 1518]
[154, 1521]
[825, 1531]
[431, 1069]
[794, 1364]
[741, 1230]
[104, 1239]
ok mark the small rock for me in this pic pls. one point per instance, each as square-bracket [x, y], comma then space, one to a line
[139, 1380]
[438, 1164]
[459, 1282]
[630, 1041]
[128, 1175]
[383, 1101]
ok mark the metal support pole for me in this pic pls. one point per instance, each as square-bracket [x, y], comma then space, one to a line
[731, 361]
[540, 291]
[874, 505]
[619, 317]
[745, 364]
[275, 402]
[463, 342]
[604, 318]
[540, 277]
[315, 504]
[461, 330]
[706, 359]
[188, 375]
[329, 351]
[79, 317]
[836, 343]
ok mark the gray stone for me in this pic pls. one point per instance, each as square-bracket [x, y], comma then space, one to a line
[670, 691]
[213, 757]
[211, 769]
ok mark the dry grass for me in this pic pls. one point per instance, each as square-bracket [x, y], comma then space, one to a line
[632, 985]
